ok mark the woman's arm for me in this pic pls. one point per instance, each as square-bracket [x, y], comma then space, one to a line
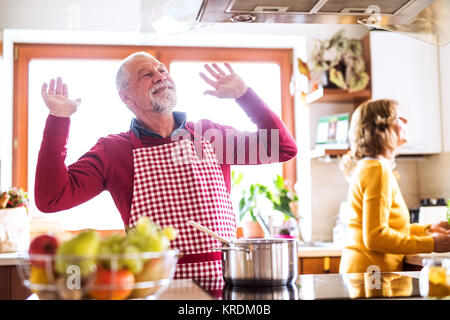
[377, 235]
[419, 229]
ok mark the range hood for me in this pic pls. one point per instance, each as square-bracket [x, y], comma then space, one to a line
[428, 20]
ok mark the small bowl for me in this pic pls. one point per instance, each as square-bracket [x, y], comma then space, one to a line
[434, 281]
[102, 277]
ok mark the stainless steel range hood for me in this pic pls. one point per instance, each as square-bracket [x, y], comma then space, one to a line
[427, 20]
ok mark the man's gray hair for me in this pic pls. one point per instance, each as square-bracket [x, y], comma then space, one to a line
[123, 76]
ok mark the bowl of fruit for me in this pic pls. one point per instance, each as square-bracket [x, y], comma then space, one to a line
[137, 265]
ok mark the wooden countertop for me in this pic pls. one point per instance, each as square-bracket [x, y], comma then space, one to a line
[10, 258]
[328, 250]
[417, 259]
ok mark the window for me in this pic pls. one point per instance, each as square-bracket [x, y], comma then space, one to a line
[90, 71]
[100, 113]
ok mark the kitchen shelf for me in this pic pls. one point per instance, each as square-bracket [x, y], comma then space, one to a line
[336, 152]
[339, 95]
[317, 153]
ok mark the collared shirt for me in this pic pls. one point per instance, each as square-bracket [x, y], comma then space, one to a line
[138, 129]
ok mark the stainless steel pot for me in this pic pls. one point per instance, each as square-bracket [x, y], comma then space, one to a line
[261, 262]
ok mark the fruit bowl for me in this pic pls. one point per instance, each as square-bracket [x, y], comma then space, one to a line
[99, 277]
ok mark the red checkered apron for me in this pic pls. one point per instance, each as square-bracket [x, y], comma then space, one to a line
[181, 181]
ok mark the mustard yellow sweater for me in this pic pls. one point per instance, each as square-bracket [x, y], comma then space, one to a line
[379, 228]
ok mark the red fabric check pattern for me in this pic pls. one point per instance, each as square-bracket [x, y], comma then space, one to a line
[178, 182]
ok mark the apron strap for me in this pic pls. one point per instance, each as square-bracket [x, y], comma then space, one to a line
[200, 257]
[137, 143]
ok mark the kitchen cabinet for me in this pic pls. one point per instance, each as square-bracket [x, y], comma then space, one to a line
[317, 265]
[444, 62]
[11, 286]
[407, 70]
[337, 96]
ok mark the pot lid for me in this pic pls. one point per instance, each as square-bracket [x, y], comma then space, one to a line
[261, 240]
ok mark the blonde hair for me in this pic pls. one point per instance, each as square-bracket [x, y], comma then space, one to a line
[372, 129]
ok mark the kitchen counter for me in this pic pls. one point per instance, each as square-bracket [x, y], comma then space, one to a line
[392, 285]
[10, 258]
[395, 285]
[329, 249]
[417, 259]
[319, 249]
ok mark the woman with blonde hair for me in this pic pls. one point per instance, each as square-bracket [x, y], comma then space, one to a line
[379, 230]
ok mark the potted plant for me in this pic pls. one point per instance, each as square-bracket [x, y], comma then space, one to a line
[338, 62]
[249, 204]
[282, 200]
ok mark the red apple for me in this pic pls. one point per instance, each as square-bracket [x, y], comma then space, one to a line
[42, 245]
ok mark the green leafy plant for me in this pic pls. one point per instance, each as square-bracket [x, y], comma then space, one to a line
[342, 58]
[249, 203]
[448, 211]
[281, 198]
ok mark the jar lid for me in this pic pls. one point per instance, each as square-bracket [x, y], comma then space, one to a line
[436, 262]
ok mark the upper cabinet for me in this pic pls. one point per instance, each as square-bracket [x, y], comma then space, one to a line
[444, 55]
[407, 70]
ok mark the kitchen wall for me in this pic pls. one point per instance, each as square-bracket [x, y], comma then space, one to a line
[419, 177]
[330, 189]
[434, 176]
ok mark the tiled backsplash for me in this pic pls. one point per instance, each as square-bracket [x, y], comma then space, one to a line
[419, 177]
[328, 190]
[434, 176]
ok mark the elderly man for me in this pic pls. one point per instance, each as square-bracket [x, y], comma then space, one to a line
[155, 169]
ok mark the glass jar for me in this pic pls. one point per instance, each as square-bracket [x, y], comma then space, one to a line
[434, 279]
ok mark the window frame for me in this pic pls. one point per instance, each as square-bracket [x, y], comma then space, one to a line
[25, 52]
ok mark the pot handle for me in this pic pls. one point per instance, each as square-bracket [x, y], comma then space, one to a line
[233, 248]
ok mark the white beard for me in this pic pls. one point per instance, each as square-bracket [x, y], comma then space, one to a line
[165, 102]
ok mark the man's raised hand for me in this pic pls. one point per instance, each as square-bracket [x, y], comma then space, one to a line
[225, 85]
[56, 97]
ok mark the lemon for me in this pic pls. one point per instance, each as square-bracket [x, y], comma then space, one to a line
[38, 276]
[437, 275]
[438, 287]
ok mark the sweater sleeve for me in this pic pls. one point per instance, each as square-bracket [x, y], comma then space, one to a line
[377, 235]
[418, 229]
[271, 143]
[58, 187]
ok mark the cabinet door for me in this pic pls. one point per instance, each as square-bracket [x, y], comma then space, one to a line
[320, 265]
[18, 290]
[5, 283]
[444, 55]
[407, 70]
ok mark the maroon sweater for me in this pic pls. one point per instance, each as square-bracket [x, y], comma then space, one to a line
[108, 165]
